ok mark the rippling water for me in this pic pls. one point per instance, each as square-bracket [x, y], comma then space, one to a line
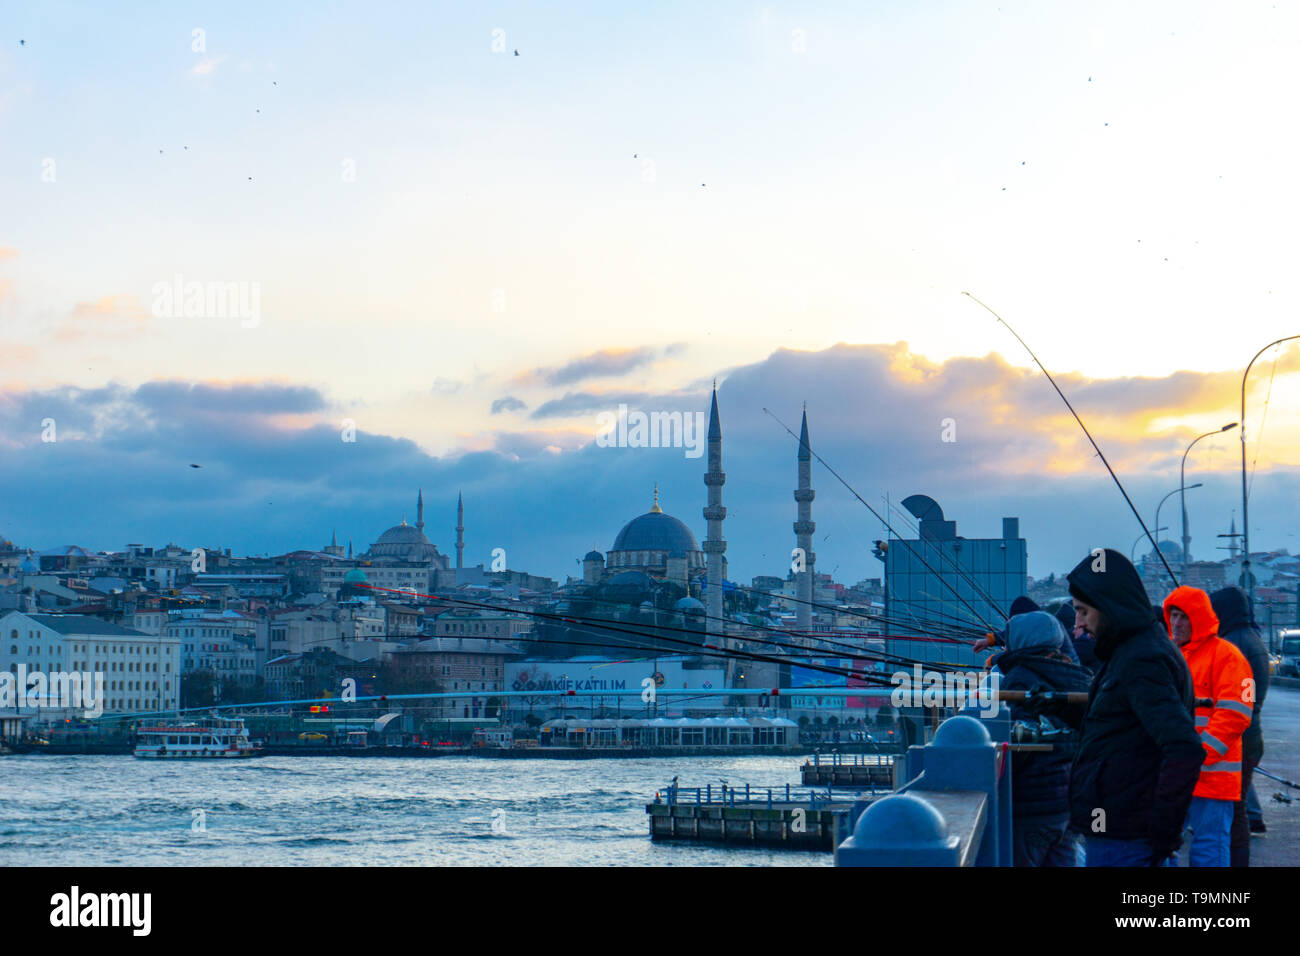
[372, 811]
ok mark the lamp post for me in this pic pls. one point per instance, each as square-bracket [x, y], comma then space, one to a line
[1247, 580]
[1182, 499]
[1166, 498]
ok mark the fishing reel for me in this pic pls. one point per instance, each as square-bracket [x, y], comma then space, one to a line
[1041, 731]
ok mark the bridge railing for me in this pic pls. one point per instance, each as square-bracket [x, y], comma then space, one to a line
[954, 809]
[739, 796]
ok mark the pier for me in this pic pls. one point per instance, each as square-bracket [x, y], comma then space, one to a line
[806, 820]
[848, 770]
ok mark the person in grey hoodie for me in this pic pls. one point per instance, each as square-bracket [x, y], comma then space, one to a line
[1040, 782]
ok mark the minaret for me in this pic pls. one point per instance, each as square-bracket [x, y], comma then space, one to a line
[460, 531]
[1232, 539]
[714, 546]
[419, 511]
[349, 549]
[804, 528]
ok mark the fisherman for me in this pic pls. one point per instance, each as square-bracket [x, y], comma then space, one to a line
[1131, 782]
[1083, 643]
[1221, 674]
[1237, 627]
[1021, 605]
[1040, 782]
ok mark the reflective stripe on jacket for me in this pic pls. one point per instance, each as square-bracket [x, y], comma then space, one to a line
[1222, 674]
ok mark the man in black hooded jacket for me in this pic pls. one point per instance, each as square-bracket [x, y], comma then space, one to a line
[1132, 779]
[1237, 626]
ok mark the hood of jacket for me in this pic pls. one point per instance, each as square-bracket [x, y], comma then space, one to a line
[1232, 608]
[1195, 603]
[1109, 582]
[1036, 631]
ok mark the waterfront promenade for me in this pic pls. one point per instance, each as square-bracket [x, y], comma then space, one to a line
[1280, 846]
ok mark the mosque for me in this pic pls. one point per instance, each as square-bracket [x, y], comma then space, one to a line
[657, 547]
[407, 544]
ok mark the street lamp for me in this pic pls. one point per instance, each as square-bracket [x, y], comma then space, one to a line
[1247, 581]
[1182, 499]
[1166, 498]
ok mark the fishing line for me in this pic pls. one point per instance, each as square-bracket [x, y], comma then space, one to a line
[1096, 448]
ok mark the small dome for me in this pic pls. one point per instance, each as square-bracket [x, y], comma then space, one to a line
[594, 556]
[355, 576]
[689, 604]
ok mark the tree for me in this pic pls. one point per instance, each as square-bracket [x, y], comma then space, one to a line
[199, 688]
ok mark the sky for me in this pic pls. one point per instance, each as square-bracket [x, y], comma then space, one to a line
[465, 256]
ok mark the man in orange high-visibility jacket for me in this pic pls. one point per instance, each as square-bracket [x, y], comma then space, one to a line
[1222, 674]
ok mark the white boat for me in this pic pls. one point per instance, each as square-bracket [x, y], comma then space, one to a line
[213, 737]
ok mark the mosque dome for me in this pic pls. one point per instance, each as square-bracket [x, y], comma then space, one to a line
[406, 543]
[689, 605]
[402, 534]
[594, 556]
[355, 576]
[656, 531]
[648, 541]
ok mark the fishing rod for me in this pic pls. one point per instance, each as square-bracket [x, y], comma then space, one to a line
[886, 523]
[604, 624]
[936, 628]
[1273, 776]
[1096, 448]
[694, 647]
[954, 634]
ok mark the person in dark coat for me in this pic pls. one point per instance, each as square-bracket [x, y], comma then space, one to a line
[1040, 782]
[1237, 627]
[1021, 605]
[1080, 640]
[1131, 782]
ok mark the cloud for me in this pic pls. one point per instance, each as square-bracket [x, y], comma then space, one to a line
[605, 363]
[115, 316]
[278, 476]
[507, 403]
[446, 386]
[207, 66]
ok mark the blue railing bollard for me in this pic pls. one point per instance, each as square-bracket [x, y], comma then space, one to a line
[907, 829]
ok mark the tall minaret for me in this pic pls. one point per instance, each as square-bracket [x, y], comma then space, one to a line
[714, 546]
[804, 528]
[1232, 539]
[460, 531]
[419, 511]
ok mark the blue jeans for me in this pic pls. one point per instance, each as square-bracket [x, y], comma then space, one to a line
[1102, 852]
[1211, 824]
[1043, 843]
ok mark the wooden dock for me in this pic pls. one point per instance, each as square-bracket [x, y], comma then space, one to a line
[849, 770]
[813, 821]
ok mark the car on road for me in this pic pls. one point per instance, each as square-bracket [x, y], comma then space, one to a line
[1289, 666]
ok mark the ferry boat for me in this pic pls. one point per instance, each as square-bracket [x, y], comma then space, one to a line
[215, 737]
